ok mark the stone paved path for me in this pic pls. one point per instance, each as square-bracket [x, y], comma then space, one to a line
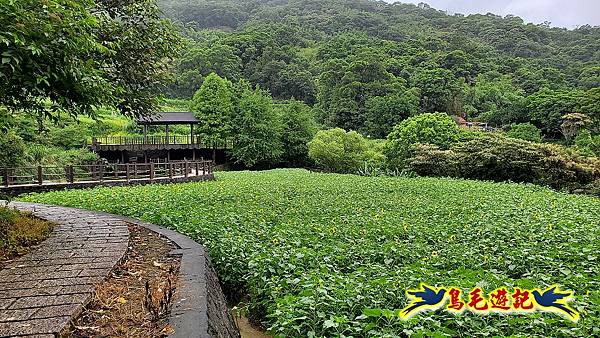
[41, 291]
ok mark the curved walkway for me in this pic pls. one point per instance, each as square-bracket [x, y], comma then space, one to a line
[41, 291]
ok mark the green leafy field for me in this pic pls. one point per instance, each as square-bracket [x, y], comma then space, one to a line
[314, 251]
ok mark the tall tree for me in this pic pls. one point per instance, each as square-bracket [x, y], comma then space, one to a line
[547, 107]
[299, 127]
[572, 123]
[73, 56]
[256, 128]
[141, 41]
[384, 112]
[438, 87]
[47, 53]
[213, 105]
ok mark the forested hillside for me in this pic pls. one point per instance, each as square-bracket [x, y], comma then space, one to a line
[366, 65]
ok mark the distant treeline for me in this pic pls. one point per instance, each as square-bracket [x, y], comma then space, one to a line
[367, 65]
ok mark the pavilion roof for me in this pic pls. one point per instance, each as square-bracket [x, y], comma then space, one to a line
[168, 118]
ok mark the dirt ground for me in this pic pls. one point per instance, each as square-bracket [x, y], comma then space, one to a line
[135, 300]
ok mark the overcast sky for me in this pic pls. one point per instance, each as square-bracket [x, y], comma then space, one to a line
[561, 13]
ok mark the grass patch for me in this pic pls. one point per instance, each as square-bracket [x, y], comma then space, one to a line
[313, 251]
[19, 232]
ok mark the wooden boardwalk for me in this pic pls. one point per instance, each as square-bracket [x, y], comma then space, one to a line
[16, 181]
[141, 143]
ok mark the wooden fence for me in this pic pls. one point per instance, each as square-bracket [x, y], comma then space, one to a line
[40, 175]
[160, 140]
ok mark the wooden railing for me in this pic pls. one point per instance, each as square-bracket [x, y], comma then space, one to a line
[40, 175]
[160, 140]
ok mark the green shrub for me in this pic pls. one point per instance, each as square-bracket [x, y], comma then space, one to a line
[588, 144]
[37, 154]
[525, 131]
[373, 160]
[69, 136]
[12, 149]
[19, 231]
[79, 156]
[499, 158]
[468, 135]
[430, 160]
[337, 150]
[437, 129]
[299, 128]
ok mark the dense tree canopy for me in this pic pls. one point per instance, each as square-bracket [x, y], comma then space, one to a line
[366, 65]
[46, 48]
[299, 127]
[256, 128]
[213, 104]
[74, 56]
[435, 129]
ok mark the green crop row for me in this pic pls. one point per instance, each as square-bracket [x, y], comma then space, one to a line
[332, 255]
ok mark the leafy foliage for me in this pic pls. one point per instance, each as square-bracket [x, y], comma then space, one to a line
[12, 149]
[299, 127]
[525, 131]
[213, 106]
[256, 128]
[367, 65]
[46, 48]
[498, 158]
[74, 56]
[337, 150]
[588, 144]
[141, 42]
[572, 123]
[436, 129]
[547, 107]
[333, 254]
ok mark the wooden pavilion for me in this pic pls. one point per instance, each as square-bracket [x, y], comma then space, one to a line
[167, 147]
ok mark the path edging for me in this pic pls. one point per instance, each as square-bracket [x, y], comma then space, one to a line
[200, 308]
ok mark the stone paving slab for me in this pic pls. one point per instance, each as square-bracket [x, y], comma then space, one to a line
[41, 291]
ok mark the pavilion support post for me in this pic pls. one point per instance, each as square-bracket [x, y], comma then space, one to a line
[40, 176]
[191, 134]
[123, 156]
[167, 133]
[5, 179]
[145, 134]
[194, 154]
[186, 169]
[168, 155]
[152, 171]
[70, 174]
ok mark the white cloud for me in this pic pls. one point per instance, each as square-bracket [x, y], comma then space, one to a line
[561, 13]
